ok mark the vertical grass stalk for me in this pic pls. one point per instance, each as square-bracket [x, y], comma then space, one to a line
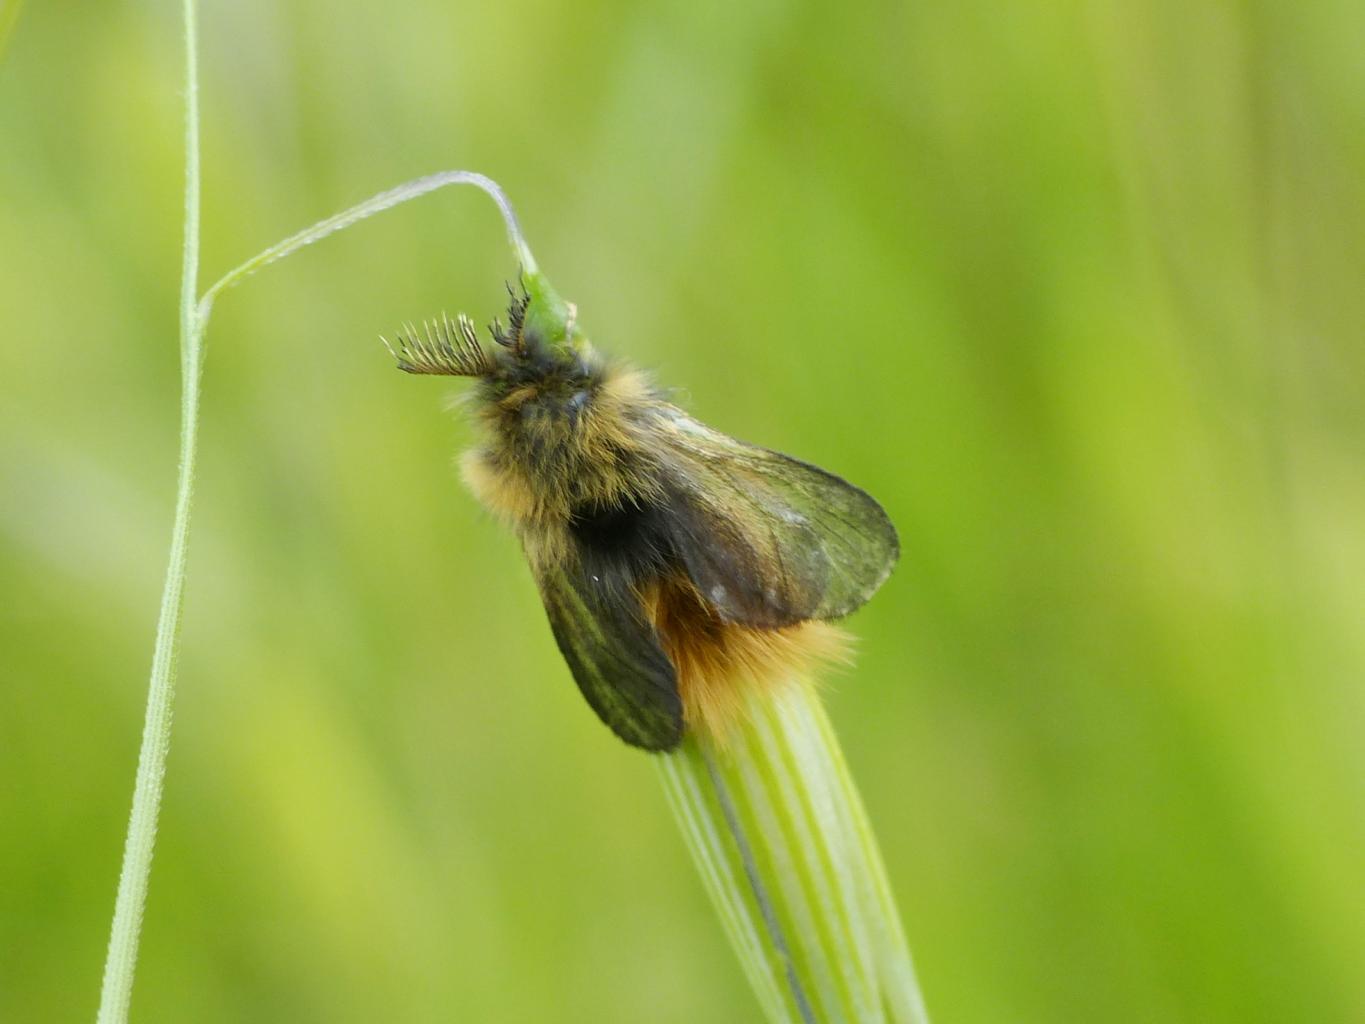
[779, 834]
[120, 962]
[121, 959]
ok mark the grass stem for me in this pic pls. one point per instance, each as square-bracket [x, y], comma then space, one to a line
[121, 961]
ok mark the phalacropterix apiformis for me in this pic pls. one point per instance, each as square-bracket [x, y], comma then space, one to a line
[677, 565]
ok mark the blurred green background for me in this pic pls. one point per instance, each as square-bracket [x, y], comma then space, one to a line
[1076, 289]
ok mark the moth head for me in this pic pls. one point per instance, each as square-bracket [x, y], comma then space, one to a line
[540, 343]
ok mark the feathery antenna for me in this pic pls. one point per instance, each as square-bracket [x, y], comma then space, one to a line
[447, 347]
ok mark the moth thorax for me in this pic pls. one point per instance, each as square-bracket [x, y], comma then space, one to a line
[544, 477]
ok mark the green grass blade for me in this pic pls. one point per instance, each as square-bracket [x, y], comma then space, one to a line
[895, 967]
[780, 836]
[689, 791]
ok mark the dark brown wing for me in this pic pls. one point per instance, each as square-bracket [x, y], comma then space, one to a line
[767, 539]
[614, 655]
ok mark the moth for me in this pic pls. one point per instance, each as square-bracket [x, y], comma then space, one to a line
[676, 564]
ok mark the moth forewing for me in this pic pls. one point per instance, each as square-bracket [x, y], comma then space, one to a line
[769, 539]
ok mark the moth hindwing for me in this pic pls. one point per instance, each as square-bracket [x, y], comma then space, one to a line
[614, 654]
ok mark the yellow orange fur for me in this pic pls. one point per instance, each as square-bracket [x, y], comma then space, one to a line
[720, 663]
